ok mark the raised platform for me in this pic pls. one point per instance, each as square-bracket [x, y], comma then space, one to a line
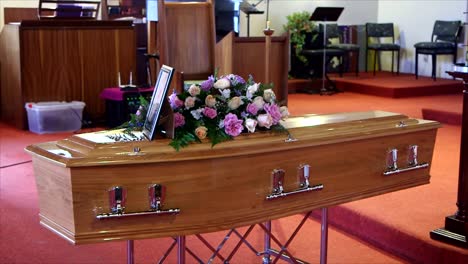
[384, 84]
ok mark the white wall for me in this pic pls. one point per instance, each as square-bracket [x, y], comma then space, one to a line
[29, 3]
[15, 3]
[354, 13]
[414, 20]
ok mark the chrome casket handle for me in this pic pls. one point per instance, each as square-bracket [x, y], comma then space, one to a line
[303, 179]
[412, 161]
[117, 199]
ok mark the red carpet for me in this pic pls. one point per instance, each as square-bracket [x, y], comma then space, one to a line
[396, 86]
[398, 222]
[24, 240]
[382, 84]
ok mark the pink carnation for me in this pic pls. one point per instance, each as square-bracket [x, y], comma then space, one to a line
[210, 112]
[232, 125]
[274, 112]
[179, 120]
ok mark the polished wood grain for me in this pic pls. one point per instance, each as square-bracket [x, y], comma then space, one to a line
[11, 107]
[224, 54]
[65, 61]
[347, 154]
[246, 55]
[188, 36]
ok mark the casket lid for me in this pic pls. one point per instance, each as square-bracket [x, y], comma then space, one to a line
[98, 149]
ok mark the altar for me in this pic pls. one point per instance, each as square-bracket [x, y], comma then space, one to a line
[94, 189]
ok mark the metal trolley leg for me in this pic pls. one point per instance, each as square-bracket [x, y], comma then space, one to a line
[181, 250]
[324, 237]
[267, 243]
[130, 259]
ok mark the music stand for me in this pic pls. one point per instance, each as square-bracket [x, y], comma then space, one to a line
[250, 9]
[324, 15]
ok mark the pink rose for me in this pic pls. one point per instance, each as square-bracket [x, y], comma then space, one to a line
[264, 120]
[258, 102]
[210, 112]
[179, 120]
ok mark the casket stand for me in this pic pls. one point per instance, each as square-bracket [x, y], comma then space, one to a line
[92, 189]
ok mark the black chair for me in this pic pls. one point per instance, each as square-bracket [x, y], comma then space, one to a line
[333, 32]
[443, 42]
[381, 31]
[315, 52]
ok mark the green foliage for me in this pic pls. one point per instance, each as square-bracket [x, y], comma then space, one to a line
[298, 25]
[182, 140]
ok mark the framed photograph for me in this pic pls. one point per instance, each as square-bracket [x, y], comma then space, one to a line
[157, 100]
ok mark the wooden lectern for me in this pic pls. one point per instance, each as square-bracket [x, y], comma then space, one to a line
[456, 226]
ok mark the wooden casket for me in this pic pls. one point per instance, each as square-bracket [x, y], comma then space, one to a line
[92, 189]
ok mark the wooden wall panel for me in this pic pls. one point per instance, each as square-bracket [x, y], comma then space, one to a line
[10, 76]
[50, 65]
[223, 54]
[69, 60]
[190, 37]
[249, 58]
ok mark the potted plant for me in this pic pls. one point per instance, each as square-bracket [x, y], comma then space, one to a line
[301, 29]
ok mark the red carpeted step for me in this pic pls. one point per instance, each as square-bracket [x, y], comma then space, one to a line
[403, 85]
[446, 117]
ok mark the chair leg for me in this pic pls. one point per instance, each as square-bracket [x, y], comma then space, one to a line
[341, 66]
[416, 65]
[375, 59]
[434, 66]
[398, 63]
[393, 56]
[367, 59]
[357, 63]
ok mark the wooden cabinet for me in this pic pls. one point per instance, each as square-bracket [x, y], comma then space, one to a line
[62, 61]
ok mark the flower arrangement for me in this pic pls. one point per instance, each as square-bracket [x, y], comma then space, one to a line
[222, 108]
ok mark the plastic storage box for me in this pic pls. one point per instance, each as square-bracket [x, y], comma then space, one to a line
[53, 117]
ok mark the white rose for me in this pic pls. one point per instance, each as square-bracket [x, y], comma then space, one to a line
[251, 90]
[284, 112]
[189, 102]
[269, 95]
[250, 124]
[258, 102]
[226, 93]
[194, 90]
[265, 120]
[234, 103]
[197, 114]
[222, 83]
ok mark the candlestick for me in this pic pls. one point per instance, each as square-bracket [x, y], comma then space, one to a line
[118, 79]
[131, 78]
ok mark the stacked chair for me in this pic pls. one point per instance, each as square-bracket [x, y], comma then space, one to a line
[443, 42]
[377, 37]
